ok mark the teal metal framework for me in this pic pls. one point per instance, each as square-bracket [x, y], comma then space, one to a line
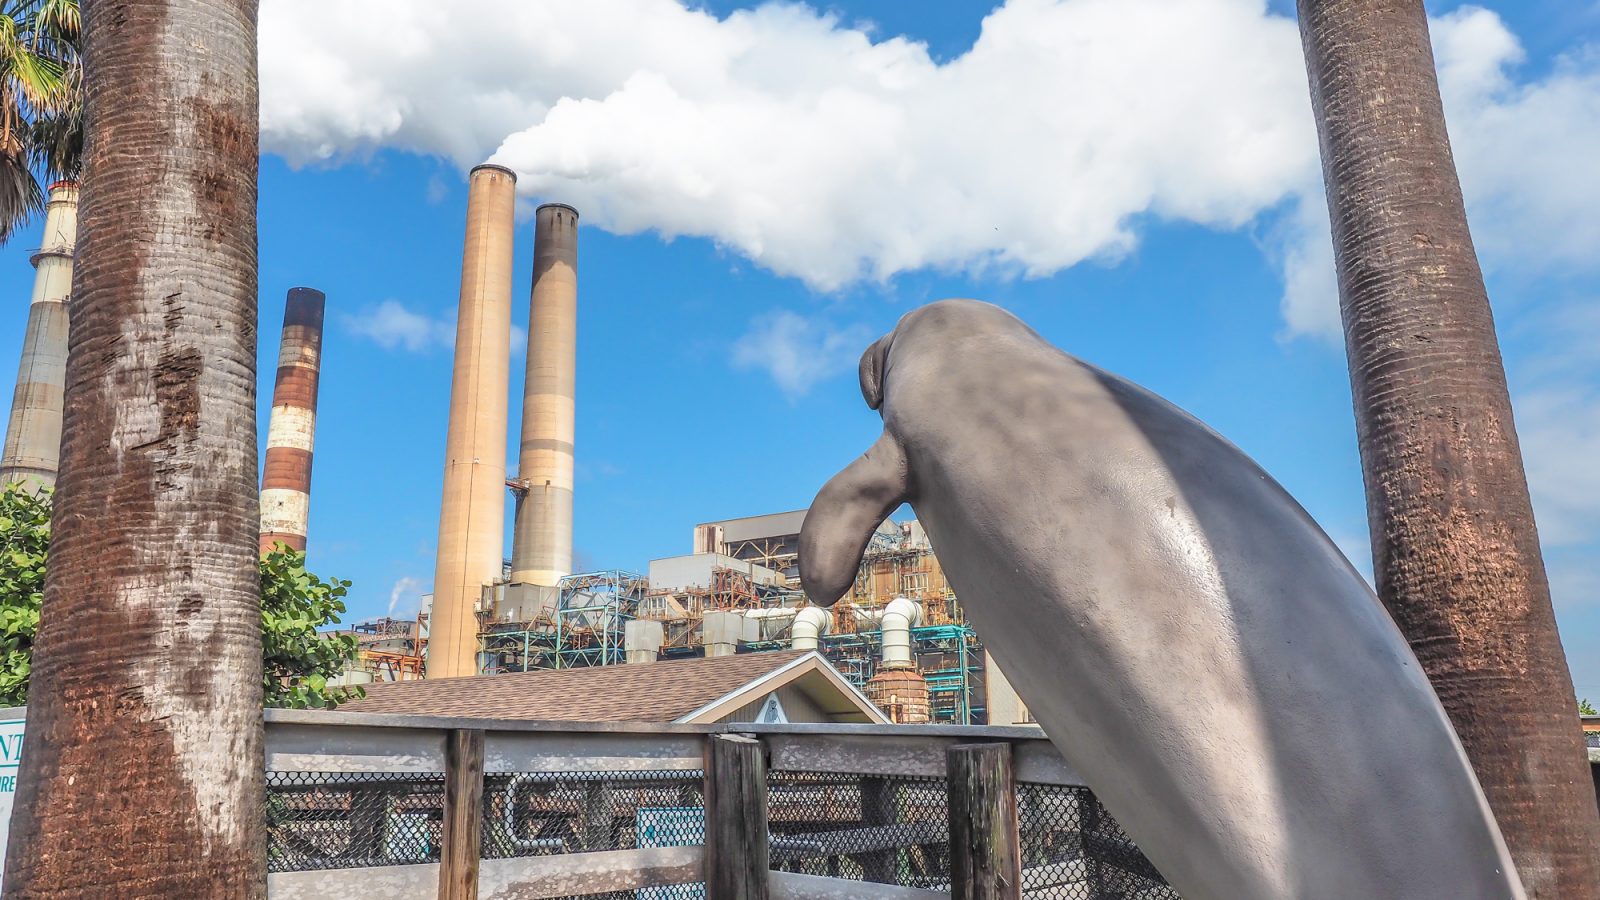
[950, 658]
[586, 628]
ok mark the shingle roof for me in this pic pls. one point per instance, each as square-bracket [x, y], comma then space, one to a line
[654, 692]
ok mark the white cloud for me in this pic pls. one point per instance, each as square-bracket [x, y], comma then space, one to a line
[799, 352]
[394, 327]
[405, 596]
[1557, 398]
[805, 145]
[822, 153]
[1524, 153]
[1559, 427]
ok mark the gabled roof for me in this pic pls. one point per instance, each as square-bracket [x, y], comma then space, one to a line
[688, 690]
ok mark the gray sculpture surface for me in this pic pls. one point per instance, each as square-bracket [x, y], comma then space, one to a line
[1188, 637]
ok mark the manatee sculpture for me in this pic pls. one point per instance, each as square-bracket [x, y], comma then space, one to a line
[1188, 637]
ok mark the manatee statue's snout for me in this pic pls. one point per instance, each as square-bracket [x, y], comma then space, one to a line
[841, 520]
[1190, 640]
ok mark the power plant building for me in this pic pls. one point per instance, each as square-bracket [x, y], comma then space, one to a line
[900, 637]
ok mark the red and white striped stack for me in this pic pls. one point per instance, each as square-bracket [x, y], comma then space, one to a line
[286, 474]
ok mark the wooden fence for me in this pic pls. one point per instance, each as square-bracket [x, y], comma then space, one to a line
[407, 807]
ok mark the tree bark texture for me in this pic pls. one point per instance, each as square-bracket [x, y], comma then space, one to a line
[143, 770]
[1455, 550]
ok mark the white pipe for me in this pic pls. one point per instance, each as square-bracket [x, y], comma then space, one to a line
[899, 617]
[810, 624]
[776, 612]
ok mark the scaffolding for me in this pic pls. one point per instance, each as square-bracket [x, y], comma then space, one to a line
[586, 625]
[585, 628]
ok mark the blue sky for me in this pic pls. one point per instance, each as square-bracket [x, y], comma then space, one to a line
[765, 191]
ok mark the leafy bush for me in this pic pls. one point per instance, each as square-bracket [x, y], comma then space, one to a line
[24, 538]
[298, 661]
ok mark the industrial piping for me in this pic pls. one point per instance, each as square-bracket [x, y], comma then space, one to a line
[33, 435]
[286, 472]
[541, 549]
[472, 510]
[810, 624]
[900, 615]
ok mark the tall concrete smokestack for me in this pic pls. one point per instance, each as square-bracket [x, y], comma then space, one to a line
[541, 550]
[286, 474]
[33, 435]
[472, 514]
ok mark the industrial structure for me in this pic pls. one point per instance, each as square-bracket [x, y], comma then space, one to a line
[292, 429]
[33, 433]
[472, 514]
[472, 511]
[900, 637]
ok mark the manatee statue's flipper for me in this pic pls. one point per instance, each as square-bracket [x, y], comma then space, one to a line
[846, 512]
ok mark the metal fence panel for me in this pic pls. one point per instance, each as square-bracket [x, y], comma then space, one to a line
[884, 829]
[342, 820]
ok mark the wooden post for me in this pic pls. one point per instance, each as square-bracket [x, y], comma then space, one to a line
[985, 849]
[737, 853]
[463, 815]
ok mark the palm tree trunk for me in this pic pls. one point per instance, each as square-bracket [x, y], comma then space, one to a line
[1455, 550]
[143, 770]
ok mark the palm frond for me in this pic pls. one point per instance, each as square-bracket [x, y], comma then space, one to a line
[39, 78]
[55, 143]
[59, 20]
[21, 197]
[41, 100]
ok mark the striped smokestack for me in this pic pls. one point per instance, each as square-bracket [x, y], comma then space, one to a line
[472, 512]
[33, 435]
[541, 549]
[286, 474]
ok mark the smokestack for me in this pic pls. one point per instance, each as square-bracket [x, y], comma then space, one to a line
[472, 512]
[286, 474]
[541, 548]
[33, 435]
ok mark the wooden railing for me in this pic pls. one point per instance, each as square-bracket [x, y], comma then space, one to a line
[408, 807]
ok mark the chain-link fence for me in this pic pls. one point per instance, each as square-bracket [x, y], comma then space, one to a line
[1073, 850]
[541, 813]
[341, 820]
[878, 828]
[891, 830]
[345, 820]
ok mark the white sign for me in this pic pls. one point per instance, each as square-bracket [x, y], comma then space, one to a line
[10, 759]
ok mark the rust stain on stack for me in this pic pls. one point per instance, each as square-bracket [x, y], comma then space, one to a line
[286, 473]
